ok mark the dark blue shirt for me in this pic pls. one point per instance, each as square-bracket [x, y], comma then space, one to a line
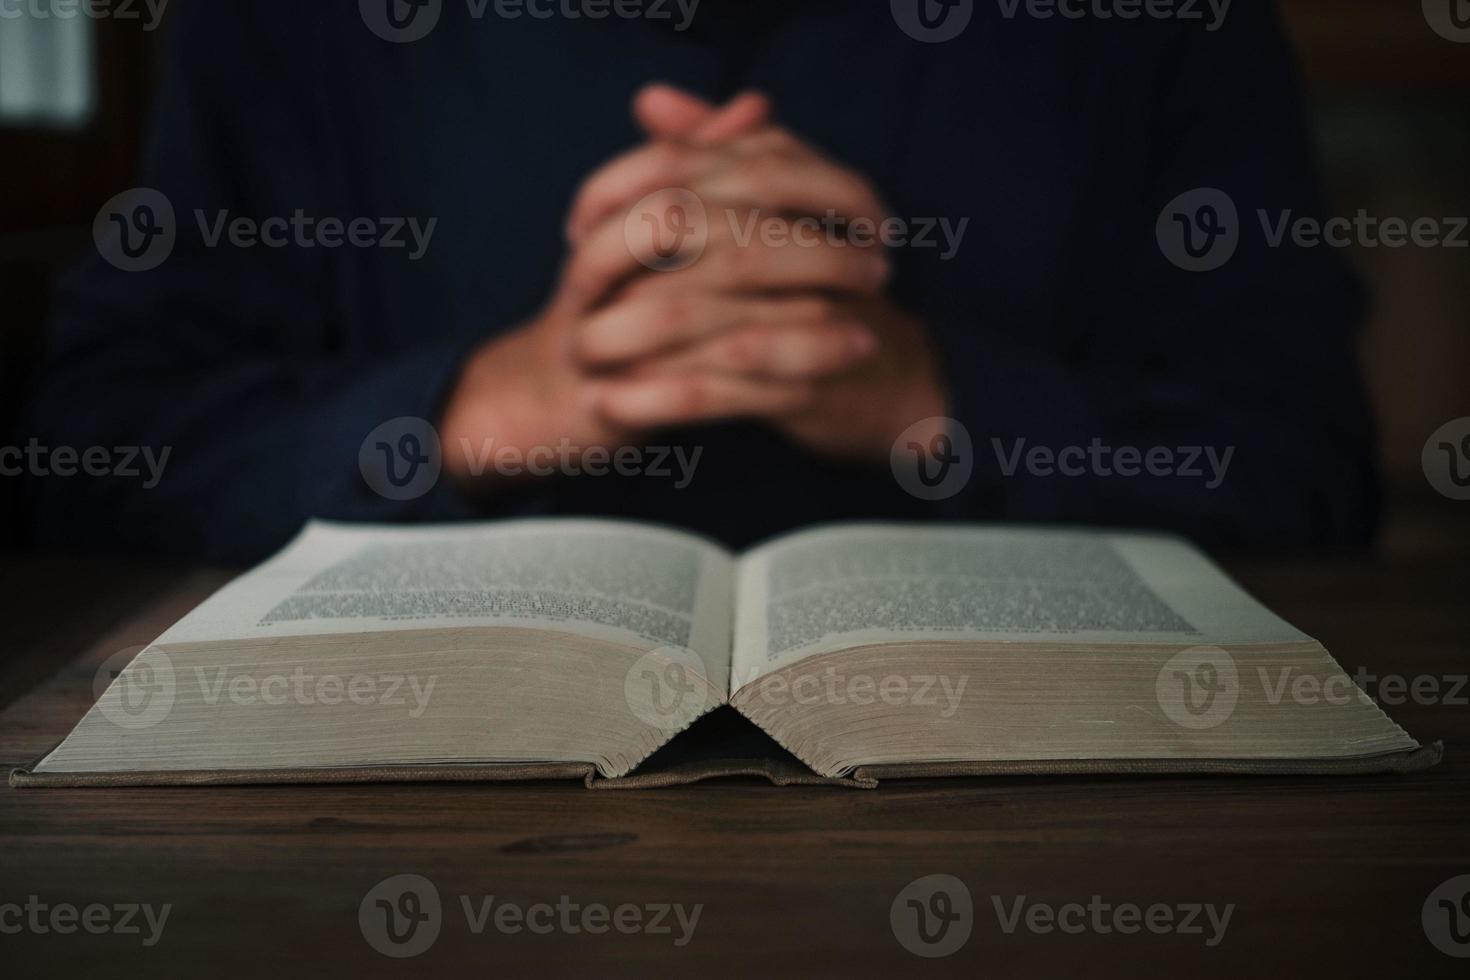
[1060, 320]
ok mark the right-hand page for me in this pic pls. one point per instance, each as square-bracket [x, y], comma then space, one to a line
[835, 588]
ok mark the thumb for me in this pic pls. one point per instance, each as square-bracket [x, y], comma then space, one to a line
[666, 112]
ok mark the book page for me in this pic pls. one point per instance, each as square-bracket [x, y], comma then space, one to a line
[840, 587]
[624, 583]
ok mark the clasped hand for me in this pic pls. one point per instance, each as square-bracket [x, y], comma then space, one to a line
[697, 288]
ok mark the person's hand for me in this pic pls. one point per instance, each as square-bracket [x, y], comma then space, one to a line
[840, 375]
[579, 370]
[791, 330]
[787, 334]
[527, 388]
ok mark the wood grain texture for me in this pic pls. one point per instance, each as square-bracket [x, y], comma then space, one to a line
[1326, 874]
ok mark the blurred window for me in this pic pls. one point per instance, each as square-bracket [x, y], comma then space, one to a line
[46, 66]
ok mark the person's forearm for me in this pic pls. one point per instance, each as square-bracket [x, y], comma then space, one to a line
[253, 449]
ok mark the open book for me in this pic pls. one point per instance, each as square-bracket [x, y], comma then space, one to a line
[579, 648]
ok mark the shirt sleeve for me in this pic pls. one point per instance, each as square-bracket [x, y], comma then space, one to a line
[233, 361]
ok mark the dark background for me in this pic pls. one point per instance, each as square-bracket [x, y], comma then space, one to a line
[1392, 112]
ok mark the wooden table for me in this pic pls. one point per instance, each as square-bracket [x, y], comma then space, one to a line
[1327, 876]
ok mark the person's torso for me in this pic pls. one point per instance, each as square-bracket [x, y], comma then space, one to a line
[1003, 152]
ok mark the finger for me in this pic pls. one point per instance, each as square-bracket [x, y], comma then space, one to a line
[800, 185]
[622, 180]
[760, 173]
[669, 113]
[773, 351]
[665, 401]
[666, 112]
[711, 255]
[653, 323]
[744, 114]
[661, 165]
